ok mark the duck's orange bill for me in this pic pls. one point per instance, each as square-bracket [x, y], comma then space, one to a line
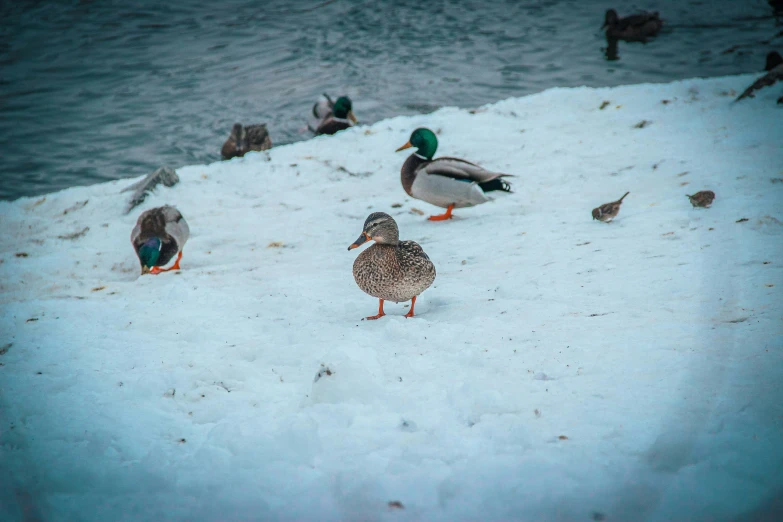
[359, 242]
[352, 117]
[406, 146]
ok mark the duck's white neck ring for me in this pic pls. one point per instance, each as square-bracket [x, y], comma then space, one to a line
[419, 155]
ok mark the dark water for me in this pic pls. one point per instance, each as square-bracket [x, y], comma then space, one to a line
[97, 90]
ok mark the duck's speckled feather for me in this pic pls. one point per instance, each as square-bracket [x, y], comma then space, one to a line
[394, 273]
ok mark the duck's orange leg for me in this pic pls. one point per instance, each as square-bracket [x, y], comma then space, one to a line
[443, 217]
[413, 303]
[380, 312]
[157, 270]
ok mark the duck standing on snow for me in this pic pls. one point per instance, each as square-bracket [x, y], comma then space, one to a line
[391, 270]
[702, 198]
[330, 116]
[635, 28]
[446, 182]
[608, 211]
[244, 139]
[775, 67]
[159, 234]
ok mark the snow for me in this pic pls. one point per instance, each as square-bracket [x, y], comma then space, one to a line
[558, 369]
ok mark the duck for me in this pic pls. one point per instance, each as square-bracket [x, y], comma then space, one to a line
[446, 182]
[635, 28]
[774, 68]
[160, 234]
[330, 117]
[608, 211]
[703, 198]
[390, 270]
[244, 139]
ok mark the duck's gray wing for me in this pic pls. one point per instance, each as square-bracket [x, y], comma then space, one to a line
[462, 170]
[176, 226]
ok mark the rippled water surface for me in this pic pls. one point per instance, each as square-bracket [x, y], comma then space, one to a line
[94, 91]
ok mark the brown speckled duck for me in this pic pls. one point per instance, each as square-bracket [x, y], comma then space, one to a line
[635, 28]
[608, 211]
[160, 234]
[703, 198]
[774, 66]
[244, 139]
[330, 117]
[391, 270]
[446, 182]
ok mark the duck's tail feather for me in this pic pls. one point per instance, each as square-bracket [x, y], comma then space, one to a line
[496, 184]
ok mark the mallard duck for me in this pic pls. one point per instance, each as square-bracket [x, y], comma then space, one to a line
[159, 234]
[634, 28]
[244, 139]
[775, 67]
[608, 211]
[391, 270]
[702, 198]
[332, 116]
[446, 182]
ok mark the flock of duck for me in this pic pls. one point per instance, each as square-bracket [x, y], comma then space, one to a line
[390, 269]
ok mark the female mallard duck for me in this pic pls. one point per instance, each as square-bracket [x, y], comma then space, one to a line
[775, 67]
[446, 182]
[244, 139]
[332, 116]
[391, 270]
[634, 28]
[159, 234]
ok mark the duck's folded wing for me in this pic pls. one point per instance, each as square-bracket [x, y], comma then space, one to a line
[765, 81]
[176, 226]
[637, 20]
[461, 170]
[258, 137]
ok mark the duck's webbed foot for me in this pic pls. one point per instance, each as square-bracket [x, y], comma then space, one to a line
[443, 217]
[380, 312]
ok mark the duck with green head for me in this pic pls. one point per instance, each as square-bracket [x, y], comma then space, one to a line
[330, 116]
[446, 182]
[160, 234]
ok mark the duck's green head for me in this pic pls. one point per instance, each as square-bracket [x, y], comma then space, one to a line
[149, 252]
[425, 142]
[343, 109]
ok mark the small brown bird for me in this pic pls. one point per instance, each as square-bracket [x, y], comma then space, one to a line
[702, 198]
[608, 211]
[244, 139]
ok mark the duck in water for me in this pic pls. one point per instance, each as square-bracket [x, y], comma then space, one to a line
[330, 117]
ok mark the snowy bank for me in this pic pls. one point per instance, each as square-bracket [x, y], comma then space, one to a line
[559, 368]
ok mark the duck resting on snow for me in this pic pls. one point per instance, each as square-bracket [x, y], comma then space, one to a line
[391, 270]
[330, 117]
[160, 234]
[244, 139]
[634, 28]
[775, 67]
[446, 182]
